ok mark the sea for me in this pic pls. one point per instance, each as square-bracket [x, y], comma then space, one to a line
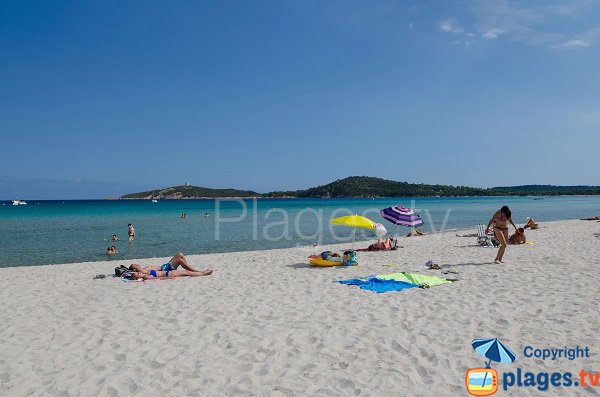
[51, 232]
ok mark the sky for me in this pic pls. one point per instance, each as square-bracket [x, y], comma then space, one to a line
[104, 98]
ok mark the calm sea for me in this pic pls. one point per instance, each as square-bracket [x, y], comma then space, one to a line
[47, 232]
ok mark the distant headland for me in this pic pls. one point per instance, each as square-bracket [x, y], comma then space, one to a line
[365, 186]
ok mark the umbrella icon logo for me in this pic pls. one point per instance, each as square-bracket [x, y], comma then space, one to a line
[484, 381]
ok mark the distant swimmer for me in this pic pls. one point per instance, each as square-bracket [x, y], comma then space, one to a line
[206, 215]
[183, 216]
[111, 250]
[130, 232]
[114, 237]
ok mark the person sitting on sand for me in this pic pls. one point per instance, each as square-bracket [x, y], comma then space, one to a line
[518, 237]
[159, 274]
[531, 224]
[178, 260]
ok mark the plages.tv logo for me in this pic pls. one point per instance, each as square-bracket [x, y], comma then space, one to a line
[484, 381]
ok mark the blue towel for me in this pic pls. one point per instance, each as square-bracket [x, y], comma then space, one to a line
[378, 285]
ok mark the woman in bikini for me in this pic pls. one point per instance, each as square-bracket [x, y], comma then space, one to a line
[500, 221]
[159, 274]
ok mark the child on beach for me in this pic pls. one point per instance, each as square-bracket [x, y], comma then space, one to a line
[518, 237]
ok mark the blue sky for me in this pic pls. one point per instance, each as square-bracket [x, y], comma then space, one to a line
[99, 98]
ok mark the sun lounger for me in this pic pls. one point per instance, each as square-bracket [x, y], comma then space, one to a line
[483, 238]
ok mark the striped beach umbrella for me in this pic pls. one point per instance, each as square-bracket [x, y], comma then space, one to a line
[401, 216]
[494, 350]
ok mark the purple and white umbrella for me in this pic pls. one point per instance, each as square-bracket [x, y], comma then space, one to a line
[399, 215]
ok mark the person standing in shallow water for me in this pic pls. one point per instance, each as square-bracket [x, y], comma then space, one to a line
[130, 232]
[500, 221]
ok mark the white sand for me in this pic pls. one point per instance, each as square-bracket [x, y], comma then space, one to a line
[267, 324]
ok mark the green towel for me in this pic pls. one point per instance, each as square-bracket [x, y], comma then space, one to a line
[414, 278]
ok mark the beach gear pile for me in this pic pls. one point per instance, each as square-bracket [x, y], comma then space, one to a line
[395, 282]
[327, 259]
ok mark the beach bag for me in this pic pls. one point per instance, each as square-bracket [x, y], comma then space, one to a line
[349, 258]
[119, 271]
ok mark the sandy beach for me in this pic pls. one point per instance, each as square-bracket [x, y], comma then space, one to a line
[268, 324]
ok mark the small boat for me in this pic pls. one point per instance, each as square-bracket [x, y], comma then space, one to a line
[155, 201]
[19, 202]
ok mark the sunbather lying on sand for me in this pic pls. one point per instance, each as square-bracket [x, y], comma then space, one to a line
[593, 218]
[386, 245]
[158, 274]
[331, 256]
[178, 260]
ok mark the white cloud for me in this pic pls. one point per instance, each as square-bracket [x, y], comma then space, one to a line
[450, 26]
[531, 22]
[584, 40]
[492, 33]
[573, 43]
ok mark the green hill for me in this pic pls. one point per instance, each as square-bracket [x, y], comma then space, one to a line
[179, 192]
[365, 186]
[545, 190]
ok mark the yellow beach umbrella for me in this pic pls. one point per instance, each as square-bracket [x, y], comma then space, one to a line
[354, 221]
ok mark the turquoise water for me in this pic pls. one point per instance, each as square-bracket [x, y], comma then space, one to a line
[47, 232]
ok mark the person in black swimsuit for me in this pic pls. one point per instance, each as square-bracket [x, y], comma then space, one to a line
[500, 221]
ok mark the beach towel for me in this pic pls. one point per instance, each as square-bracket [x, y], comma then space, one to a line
[394, 282]
[378, 285]
[414, 278]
